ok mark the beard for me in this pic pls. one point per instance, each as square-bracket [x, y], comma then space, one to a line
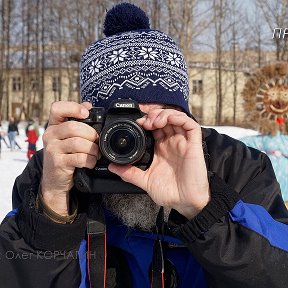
[134, 210]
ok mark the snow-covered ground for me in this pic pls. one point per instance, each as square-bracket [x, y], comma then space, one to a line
[12, 163]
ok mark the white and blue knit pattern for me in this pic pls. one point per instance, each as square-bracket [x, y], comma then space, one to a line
[137, 64]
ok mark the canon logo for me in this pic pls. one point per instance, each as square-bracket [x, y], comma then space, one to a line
[124, 105]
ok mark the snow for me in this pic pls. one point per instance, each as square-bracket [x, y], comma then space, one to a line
[12, 163]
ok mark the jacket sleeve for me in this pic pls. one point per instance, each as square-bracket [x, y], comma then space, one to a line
[240, 237]
[28, 180]
[36, 252]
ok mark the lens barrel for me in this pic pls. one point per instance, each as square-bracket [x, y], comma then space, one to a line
[123, 142]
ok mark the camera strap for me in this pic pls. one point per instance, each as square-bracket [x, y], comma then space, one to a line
[96, 242]
[157, 273]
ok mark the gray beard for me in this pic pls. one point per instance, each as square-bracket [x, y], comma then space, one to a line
[134, 210]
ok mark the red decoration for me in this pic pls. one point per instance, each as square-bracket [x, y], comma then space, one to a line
[280, 120]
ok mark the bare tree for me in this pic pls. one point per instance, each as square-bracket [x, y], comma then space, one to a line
[219, 12]
[276, 15]
[6, 11]
[236, 27]
[257, 34]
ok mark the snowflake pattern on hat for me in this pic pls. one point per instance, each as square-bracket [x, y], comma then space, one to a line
[135, 60]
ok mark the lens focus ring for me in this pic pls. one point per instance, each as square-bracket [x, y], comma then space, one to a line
[123, 142]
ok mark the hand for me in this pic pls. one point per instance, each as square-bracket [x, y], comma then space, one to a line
[177, 177]
[67, 144]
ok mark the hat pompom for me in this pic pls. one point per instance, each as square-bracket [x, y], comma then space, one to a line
[125, 17]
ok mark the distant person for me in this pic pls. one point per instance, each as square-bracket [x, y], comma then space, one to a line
[12, 133]
[2, 136]
[32, 133]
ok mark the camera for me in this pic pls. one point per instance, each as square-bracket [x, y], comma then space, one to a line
[121, 141]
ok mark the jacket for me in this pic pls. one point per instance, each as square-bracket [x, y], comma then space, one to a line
[12, 127]
[238, 240]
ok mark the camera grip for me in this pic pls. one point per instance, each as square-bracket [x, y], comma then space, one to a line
[114, 185]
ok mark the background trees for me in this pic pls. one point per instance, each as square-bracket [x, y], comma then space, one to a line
[223, 35]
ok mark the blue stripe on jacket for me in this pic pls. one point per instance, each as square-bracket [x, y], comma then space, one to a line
[256, 218]
[12, 213]
[82, 254]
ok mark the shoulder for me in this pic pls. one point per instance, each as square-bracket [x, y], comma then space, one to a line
[233, 161]
[223, 144]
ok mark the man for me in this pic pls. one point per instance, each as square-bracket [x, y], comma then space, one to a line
[2, 137]
[12, 133]
[219, 198]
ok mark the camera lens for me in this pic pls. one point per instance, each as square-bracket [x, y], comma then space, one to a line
[123, 142]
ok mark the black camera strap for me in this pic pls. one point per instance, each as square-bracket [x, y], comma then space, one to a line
[157, 273]
[96, 242]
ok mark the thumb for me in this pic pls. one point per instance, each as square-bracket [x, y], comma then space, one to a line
[130, 174]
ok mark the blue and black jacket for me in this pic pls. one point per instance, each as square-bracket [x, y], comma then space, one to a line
[240, 239]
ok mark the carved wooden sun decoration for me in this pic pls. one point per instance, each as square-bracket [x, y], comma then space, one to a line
[272, 99]
[265, 97]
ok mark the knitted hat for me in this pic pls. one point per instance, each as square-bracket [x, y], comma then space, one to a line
[266, 98]
[133, 62]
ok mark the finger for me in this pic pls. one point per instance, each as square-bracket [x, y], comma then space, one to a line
[158, 118]
[168, 131]
[179, 130]
[78, 145]
[183, 121]
[62, 109]
[191, 127]
[158, 134]
[130, 174]
[79, 160]
[177, 120]
[87, 105]
[161, 123]
[70, 129]
[149, 118]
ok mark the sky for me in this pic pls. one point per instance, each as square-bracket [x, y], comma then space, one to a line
[12, 163]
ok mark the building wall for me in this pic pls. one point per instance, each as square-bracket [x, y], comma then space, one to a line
[203, 102]
[25, 95]
[202, 97]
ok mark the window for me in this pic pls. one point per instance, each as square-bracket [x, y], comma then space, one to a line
[197, 87]
[34, 84]
[56, 84]
[16, 84]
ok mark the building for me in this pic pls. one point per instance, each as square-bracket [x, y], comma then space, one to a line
[28, 98]
[212, 82]
[24, 96]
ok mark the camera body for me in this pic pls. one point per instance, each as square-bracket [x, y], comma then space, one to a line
[121, 141]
